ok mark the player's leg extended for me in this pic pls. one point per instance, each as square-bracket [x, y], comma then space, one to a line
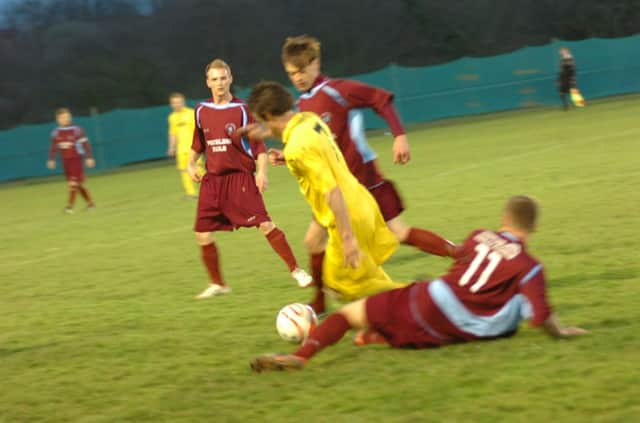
[278, 241]
[85, 194]
[211, 261]
[330, 331]
[315, 240]
[425, 240]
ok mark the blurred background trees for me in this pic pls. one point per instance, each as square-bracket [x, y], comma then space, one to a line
[132, 53]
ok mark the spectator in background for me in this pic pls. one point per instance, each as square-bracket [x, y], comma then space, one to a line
[566, 77]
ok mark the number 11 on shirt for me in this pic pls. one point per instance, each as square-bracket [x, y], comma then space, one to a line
[482, 252]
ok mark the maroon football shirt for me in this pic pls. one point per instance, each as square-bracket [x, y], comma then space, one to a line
[71, 141]
[338, 103]
[215, 135]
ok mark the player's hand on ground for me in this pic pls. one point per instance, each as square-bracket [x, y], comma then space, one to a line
[401, 153]
[51, 164]
[90, 163]
[255, 131]
[352, 252]
[192, 170]
[262, 182]
[276, 157]
[573, 331]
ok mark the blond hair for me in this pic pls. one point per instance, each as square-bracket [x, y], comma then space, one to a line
[217, 64]
[300, 51]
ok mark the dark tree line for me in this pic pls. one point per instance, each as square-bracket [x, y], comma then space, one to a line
[107, 54]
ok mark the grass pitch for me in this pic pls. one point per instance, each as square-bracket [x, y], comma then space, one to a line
[98, 321]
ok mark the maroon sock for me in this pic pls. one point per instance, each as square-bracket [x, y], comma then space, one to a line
[85, 194]
[280, 245]
[72, 196]
[429, 242]
[212, 263]
[317, 303]
[330, 331]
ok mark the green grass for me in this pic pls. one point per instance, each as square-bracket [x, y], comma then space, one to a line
[98, 321]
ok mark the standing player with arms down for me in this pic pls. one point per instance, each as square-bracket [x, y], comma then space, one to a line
[491, 287]
[358, 238]
[180, 138]
[72, 143]
[338, 103]
[230, 194]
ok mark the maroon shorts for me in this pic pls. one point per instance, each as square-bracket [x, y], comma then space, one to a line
[73, 169]
[388, 199]
[396, 316]
[230, 201]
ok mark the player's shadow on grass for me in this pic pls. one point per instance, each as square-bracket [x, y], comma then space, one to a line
[7, 352]
[407, 256]
[609, 324]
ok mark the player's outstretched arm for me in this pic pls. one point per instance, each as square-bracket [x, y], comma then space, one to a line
[350, 246]
[255, 131]
[276, 157]
[261, 172]
[401, 152]
[192, 166]
[553, 328]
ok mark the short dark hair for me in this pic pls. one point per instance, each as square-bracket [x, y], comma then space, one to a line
[268, 97]
[523, 211]
[300, 51]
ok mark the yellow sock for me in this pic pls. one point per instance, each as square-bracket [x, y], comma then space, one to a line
[187, 183]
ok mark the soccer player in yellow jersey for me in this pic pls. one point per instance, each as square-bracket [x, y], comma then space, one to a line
[359, 240]
[181, 125]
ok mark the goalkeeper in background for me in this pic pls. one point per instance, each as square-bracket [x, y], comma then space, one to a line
[181, 126]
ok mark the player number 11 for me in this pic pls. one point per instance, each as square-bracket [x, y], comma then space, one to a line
[482, 251]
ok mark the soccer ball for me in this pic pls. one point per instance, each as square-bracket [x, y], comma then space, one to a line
[295, 322]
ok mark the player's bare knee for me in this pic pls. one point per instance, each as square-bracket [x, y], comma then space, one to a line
[73, 184]
[315, 242]
[204, 238]
[355, 313]
[399, 228]
[266, 227]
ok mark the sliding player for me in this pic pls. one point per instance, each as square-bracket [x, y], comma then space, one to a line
[338, 102]
[180, 137]
[230, 193]
[358, 239]
[73, 144]
[491, 287]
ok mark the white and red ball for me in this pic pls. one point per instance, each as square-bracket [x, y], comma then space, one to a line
[295, 322]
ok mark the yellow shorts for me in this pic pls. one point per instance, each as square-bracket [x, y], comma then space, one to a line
[377, 243]
[182, 160]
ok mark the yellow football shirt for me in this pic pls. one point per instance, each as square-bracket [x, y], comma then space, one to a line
[315, 160]
[181, 125]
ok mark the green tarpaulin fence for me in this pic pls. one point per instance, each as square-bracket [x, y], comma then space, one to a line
[524, 78]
